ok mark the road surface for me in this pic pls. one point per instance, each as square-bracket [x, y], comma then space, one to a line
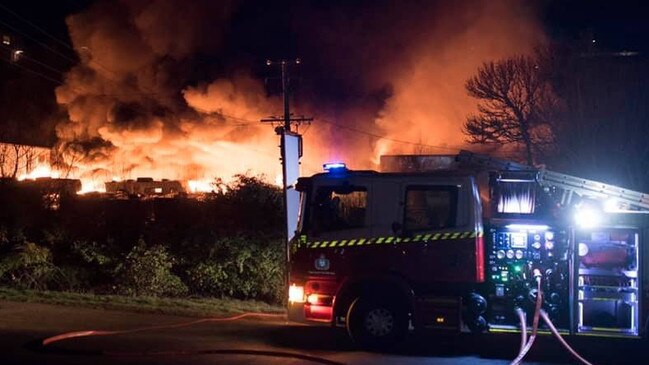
[249, 341]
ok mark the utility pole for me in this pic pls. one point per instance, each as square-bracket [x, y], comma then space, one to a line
[286, 118]
[291, 151]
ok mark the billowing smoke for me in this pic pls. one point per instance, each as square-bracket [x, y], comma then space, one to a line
[153, 93]
[416, 57]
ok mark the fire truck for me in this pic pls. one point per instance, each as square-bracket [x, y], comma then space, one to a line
[466, 244]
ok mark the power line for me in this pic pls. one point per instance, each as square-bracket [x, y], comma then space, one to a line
[60, 83]
[356, 130]
[33, 72]
[35, 26]
[388, 138]
[37, 41]
[23, 55]
[59, 41]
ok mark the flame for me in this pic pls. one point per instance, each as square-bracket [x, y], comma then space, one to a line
[381, 148]
[40, 171]
[200, 186]
[91, 186]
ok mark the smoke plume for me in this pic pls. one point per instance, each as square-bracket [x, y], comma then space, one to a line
[156, 92]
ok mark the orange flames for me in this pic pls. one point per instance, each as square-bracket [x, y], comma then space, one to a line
[40, 171]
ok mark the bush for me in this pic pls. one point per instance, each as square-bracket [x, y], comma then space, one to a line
[147, 271]
[29, 266]
[240, 268]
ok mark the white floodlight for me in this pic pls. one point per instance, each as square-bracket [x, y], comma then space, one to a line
[588, 217]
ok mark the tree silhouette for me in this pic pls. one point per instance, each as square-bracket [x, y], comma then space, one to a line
[516, 105]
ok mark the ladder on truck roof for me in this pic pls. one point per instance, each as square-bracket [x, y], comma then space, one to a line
[569, 184]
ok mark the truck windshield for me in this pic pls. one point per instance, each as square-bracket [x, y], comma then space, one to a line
[338, 208]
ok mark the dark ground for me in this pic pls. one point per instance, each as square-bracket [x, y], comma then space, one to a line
[23, 325]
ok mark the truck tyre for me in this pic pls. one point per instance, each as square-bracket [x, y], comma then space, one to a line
[375, 323]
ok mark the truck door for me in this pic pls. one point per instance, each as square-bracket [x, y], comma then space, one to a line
[436, 220]
[387, 212]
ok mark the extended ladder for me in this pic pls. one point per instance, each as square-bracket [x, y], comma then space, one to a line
[569, 184]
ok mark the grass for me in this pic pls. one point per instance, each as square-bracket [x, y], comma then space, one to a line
[189, 307]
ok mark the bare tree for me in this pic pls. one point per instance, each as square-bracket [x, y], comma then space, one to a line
[5, 152]
[66, 157]
[16, 159]
[516, 105]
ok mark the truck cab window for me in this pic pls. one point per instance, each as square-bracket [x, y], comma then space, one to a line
[430, 208]
[338, 208]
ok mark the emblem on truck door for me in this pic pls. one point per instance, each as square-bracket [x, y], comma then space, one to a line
[322, 263]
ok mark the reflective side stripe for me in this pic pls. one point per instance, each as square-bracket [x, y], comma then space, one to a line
[391, 239]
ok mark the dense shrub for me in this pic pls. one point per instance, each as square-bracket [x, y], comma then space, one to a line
[240, 267]
[28, 266]
[147, 271]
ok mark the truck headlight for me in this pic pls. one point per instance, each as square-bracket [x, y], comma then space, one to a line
[296, 294]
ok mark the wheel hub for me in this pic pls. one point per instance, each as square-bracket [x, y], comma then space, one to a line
[379, 322]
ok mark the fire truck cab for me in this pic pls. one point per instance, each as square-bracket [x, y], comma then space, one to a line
[457, 249]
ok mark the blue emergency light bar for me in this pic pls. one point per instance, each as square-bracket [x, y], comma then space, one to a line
[334, 167]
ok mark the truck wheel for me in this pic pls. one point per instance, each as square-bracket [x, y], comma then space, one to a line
[376, 323]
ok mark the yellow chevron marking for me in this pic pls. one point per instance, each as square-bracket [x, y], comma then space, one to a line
[390, 239]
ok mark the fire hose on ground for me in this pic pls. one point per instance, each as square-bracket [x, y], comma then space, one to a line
[266, 353]
[526, 344]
